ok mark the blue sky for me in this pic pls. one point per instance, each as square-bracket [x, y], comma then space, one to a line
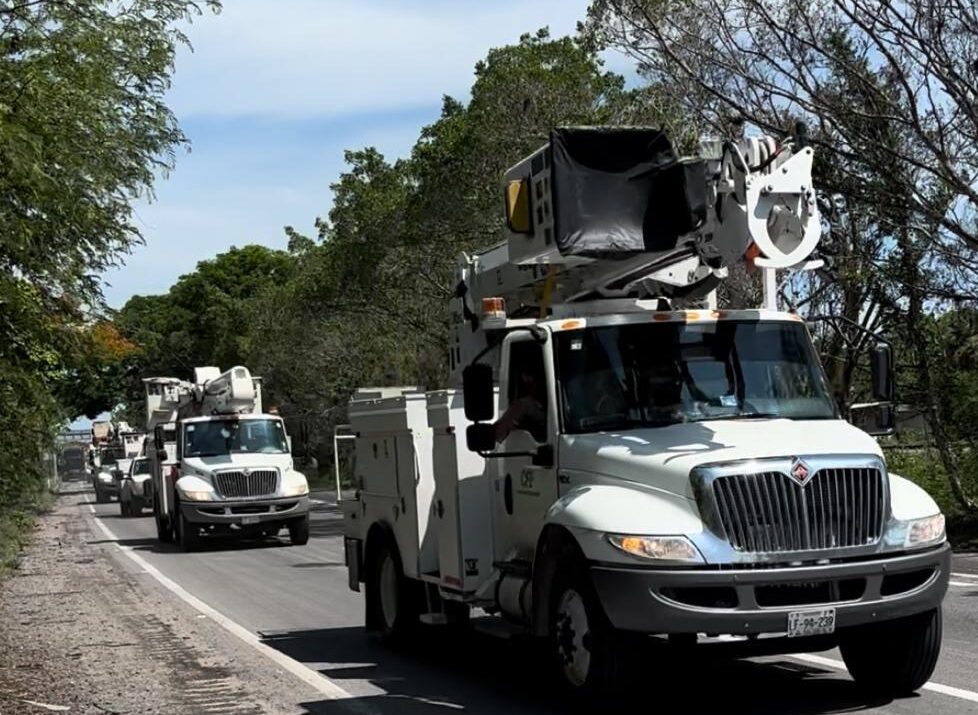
[271, 98]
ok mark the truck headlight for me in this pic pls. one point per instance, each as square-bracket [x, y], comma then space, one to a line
[923, 532]
[295, 488]
[196, 489]
[105, 477]
[197, 494]
[915, 533]
[659, 548]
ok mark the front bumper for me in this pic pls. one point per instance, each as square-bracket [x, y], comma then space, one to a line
[108, 488]
[755, 601]
[245, 511]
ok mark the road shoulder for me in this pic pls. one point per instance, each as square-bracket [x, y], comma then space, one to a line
[86, 631]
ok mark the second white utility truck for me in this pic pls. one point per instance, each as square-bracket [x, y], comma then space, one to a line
[220, 465]
[617, 456]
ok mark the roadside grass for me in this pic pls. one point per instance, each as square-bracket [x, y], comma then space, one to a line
[323, 478]
[17, 524]
[926, 471]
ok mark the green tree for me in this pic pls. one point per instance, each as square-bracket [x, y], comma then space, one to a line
[370, 300]
[84, 130]
[204, 319]
[887, 90]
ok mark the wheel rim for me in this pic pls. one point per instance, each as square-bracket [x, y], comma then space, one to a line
[388, 591]
[572, 633]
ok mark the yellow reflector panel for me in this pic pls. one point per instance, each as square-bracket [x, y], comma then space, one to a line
[518, 206]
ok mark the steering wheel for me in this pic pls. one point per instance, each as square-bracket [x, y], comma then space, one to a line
[602, 401]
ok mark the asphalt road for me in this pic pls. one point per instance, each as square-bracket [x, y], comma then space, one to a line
[297, 600]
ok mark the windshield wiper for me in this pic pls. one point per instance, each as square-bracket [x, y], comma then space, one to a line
[745, 416]
[208, 454]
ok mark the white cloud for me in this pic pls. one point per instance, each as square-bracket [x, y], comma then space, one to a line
[299, 58]
[275, 90]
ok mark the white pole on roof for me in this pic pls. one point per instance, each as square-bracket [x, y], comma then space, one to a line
[337, 436]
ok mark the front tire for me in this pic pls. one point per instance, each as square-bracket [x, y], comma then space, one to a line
[584, 647]
[392, 610]
[188, 535]
[895, 657]
[299, 531]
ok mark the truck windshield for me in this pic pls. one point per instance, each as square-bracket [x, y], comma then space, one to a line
[655, 374]
[214, 437]
[109, 455]
[141, 466]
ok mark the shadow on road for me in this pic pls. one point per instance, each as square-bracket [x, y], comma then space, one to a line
[325, 528]
[207, 545]
[481, 674]
[319, 565]
[132, 543]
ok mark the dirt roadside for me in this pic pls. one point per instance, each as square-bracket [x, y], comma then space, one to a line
[82, 630]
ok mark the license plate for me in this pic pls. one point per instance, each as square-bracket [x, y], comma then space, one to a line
[250, 519]
[811, 623]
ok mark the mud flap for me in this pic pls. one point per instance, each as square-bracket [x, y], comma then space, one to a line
[353, 549]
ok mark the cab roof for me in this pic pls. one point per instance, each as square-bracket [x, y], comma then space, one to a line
[231, 416]
[643, 314]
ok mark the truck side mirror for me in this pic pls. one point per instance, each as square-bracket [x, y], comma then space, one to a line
[877, 418]
[881, 368]
[477, 390]
[480, 437]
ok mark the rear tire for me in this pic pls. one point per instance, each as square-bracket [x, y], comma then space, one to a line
[392, 606]
[188, 535]
[299, 531]
[895, 657]
[136, 506]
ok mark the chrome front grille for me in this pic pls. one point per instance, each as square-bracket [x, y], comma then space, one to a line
[769, 512]
[252, 483]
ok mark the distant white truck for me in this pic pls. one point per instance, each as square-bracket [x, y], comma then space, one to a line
[618, 457]
[219, 464]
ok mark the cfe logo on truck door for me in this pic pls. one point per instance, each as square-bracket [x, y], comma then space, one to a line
[527, 477]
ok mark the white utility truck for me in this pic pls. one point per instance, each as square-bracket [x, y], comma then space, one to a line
[109, 445]
[220, 465]
[619, 457]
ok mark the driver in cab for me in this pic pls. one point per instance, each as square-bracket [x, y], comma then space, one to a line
[527, 409]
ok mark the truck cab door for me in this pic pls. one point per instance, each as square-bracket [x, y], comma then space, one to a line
[524, 487]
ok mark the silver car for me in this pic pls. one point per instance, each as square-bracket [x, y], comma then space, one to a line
[135, 489]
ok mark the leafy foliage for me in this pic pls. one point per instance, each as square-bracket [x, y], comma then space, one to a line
[83, 131]
[887, 90]
[203, 320]
[366, 301]
[369, 301]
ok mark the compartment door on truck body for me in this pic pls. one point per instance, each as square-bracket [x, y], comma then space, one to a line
[523, 492]
[163, 441]
[393, 467]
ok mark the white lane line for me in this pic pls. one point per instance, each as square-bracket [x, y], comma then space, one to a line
[960, 693]
[318, 681]
[971, 584]
[965, 575]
